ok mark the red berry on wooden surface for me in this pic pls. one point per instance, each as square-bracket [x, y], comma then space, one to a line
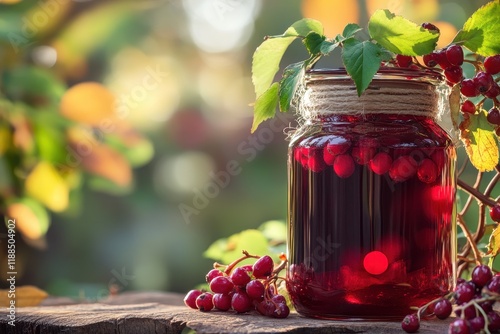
[222, 302]
[263, 267]
[204, 302]
[410, 323]
[190, 299]
[442, 308]
[481, 275]
[221, 284]
[213, 274]
[241, 303]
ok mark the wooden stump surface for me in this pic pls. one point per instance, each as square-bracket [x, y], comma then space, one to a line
[158, 312]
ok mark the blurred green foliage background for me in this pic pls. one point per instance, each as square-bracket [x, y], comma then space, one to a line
[180, 70]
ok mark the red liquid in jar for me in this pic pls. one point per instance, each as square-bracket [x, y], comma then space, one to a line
[371, 217]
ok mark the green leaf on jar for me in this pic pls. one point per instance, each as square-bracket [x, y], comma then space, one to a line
[350, 30]
[313, 42]
[480, 141]
[362, 61]
[266, 60]
[288, 84]
[265, 106]
[268, 55]
[401, 36]
[480, 32]
[304, 27]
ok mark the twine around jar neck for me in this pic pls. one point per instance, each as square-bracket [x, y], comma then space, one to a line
[339, 97]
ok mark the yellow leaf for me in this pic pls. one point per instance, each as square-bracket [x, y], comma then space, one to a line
[23, 296]
[88, 103]
[334, 15]
[45, 184]
[5, 139]
[480, 141]
[494, 244]
[29, 217]
[98, 158]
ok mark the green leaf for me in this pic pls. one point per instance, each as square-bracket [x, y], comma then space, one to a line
[317, 44]
[265, 106]
[267, 57]
[362, 61]
[401, 36]
[266, 60]
[480, 141]
[274, 230]
[304, 27]
[494, 243]
[50, 143]
[32, 83]
[350, 30]
[228, 250]
[326, 47]
[313, 42]
[288, 85]
[481, 32]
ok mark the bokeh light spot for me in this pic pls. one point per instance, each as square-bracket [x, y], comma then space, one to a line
[375, 263]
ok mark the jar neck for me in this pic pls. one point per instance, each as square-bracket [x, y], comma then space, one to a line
[391, 97]
[377, 118]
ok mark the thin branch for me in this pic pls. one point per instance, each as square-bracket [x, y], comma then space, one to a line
[476, 193]
[492, 184]
[463, 167]
[470, 240]
[479, 177]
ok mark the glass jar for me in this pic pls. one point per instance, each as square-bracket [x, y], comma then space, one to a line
[371, 197]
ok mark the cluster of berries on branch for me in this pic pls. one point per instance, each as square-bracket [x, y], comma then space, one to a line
[484, 85]
[243, 289]
[474, 301]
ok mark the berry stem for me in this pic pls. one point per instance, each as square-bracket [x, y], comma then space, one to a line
[233, 264]
[281, 266]
[485, 316]
[470, 239]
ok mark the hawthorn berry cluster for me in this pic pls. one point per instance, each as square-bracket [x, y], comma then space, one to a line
[474, 301]
[484, 84]
[243, 289]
